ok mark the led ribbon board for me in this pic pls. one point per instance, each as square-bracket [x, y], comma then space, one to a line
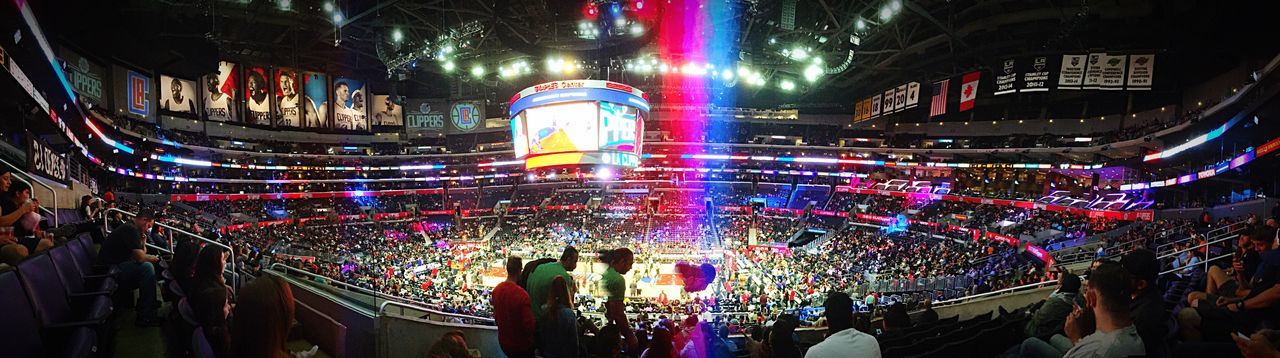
[583, 122]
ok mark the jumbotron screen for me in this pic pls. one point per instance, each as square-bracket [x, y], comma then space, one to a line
[578, 123]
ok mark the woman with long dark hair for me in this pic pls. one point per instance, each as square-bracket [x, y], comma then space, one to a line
[212, 306]
[660, 345]
[262, 318]
[558, 330]
[210, 264]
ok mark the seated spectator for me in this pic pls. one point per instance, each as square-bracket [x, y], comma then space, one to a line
[209, 269]
[929, 315]
[262, 318]
[1230, 283]
[1147, 308]
[1108, 296]
[660, 345]
[124, 249]
[183, 265]
[896, 318]
[558, 331]
[782, 340]
[450, 345]
[1048, 319]
[842, 340]
[212, 306]
[1215, 321]
[26, 228]
[512, 314]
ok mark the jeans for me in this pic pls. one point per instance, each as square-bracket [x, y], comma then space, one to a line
[142, 274]
[1033, 347]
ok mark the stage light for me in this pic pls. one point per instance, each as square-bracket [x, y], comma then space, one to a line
[285, 5]
[328, 7]
[787, 85]
[812, 73]
[477, 70]
[637, 30]
[620, 22]
[337, 18]
[615, 9]
[896, 5]
[397, 35]
[799, 54]
[448, 66]
[726, 75]
[886, 13]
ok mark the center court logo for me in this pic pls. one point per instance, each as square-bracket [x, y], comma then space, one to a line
[465, 116]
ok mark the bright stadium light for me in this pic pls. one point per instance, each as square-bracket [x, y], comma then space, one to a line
[860, 24]
[726, 75]
[477, 70]
[799, 54]
[397, 35]
[787, 85]
[448, 66]
[637, 30]
[328, 7]
[886, 13]
[337, 18]
[812, 73]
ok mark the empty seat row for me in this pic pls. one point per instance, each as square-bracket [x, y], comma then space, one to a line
[55, 303]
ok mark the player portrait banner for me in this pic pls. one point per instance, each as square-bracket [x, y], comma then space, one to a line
[1035, 75]
[350, 109]
[1093, 71]
[1071, 75]
[177, 95]
[288, 98]
[969, 90]
[46, 162]
[386, 113]
[1113, 70]
[1141, 71]
[913, 94]
[315, 108]
[875, 106]
[466, 116]
[220, 92]
[425, 115]
[257, 96]
[86, 77]
[1007, 77]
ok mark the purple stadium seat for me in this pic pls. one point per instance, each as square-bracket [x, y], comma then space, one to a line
[82, 253]
[20, 335]
[50, 299]
[200, 347]
[188, 315]
[73, 279]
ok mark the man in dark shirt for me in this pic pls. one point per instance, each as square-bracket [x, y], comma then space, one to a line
[125, 250]
[1147, 307]
[1215, 321]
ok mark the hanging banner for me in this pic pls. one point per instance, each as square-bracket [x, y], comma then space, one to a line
[1093, 71]
[1071, 75]
[219, 89]
[1113, 72]
[46, 162]
[315, 89]
[85, 77]
[177, 95]
[424, 115]
[888, 101]
[466, 116]
[1141, 70]
[1036, 78]
[913, 94]
[386, 113]
[969, 90]
[875, 106]
[256, 97]
[349, 106]
[900, 98]
[288, 111]
[138, 92]
[1007, 78]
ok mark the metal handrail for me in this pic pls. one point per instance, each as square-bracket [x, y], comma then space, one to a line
[52, 192]
[421, 306]
[235, 277]
[382, 307]
[997, 292]
[1168, 232]
[1210, 233]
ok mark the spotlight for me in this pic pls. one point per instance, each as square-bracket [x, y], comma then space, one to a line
[448, 66]
[787, 85]
[337, 18]
[328, 7]
[397, 35]
[812, 73]
[477, 70]
[726, 75]
[637, 30]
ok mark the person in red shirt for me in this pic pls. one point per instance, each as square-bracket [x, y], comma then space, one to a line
[513, 313]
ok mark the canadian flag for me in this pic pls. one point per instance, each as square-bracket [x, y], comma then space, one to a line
[969, 90]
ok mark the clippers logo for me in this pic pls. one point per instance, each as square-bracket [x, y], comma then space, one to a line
[139, 92]
[465, 116]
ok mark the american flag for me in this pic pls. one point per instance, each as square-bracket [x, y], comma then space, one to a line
[939, 103]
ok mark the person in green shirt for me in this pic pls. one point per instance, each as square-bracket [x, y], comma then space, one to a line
[620, 262]
[540, 279]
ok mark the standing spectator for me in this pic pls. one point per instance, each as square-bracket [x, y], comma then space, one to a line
[842, 340]
[620, 262]
[263, 316]
[782, 340]
[1108, 297]
[513, 314]
[540, 279]
[125, 250]
[558, 331]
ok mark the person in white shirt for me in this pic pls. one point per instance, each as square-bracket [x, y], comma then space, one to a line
[259, 107]
[176, 101]
[342, 118]
[287, 102]
[217, 105]
[1108, 296]
[842, 339]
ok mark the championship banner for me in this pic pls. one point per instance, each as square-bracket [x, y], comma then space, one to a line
[387, 113]
[913, 94]
[46, 162]
[1141, 70]
[875, 106]
[424, 115]
[1007, 78]
[466, 116]
[1093, 71]
[256, 102]
[288, 111]
[219, 89]
[315, 111]
[900, 98]
[350, 111]
[1113, 72]
[1036, 78]
[857, 111]
[86, 77]
[177, 95]
[1071, 75]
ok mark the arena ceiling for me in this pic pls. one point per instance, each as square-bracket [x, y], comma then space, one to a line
[867, 45]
